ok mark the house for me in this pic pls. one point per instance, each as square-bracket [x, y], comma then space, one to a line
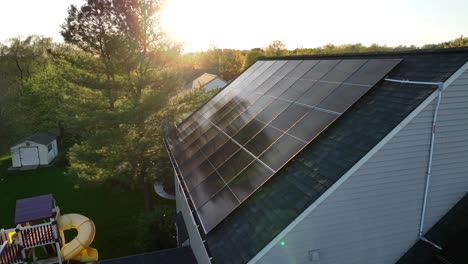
[39, 149]
[207, 81]
[347, 158]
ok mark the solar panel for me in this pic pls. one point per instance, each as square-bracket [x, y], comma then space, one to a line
[263, 140]
[312, 124]
[207, 189]
[290, 78]
[289, 117]
[233, 166]
[243, 136]
[249, 180]
[217, 208]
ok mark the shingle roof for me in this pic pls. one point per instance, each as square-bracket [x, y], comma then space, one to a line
[287, 194]
[167, 256]
[41, 138]
[202, 80]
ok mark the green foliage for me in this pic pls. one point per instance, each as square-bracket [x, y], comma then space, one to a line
[252, 56]
[276, 48]
[156, 230]
[230, 64]
[24, 67]
[182, 104]
[458, 42]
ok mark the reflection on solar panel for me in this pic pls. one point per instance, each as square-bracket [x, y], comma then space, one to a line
[233, 144]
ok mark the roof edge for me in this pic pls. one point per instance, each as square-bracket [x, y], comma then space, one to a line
[369, 54]
[30, 139]
[276, 240]
[216, 78]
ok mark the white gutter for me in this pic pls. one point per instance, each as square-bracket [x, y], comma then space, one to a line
[412, 82]
[176, 168]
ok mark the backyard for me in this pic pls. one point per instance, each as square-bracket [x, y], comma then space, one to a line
[115, 213]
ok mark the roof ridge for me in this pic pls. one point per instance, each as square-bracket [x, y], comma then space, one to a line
[372, 54]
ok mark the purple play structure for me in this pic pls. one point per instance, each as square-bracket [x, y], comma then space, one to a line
[36, 226]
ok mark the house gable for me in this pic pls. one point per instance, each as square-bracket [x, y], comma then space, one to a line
[374, 213]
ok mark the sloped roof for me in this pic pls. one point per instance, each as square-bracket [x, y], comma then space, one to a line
[41, 138]
[201, 81]
[241, 235]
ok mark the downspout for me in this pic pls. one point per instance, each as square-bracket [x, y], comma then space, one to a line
[440, 88]
[429, 167]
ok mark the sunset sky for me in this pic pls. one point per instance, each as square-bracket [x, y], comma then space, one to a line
[246, 24]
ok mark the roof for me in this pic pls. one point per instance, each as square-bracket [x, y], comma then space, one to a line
[40, 138]
[201, 81]
[167, 256]
[243, 233]
[34, 208]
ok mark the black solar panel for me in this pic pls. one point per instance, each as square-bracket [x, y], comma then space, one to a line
[231, 146]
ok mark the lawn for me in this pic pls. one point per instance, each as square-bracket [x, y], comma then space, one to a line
[113, 212]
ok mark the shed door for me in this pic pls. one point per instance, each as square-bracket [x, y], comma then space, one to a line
[15, 158]
[29, 156]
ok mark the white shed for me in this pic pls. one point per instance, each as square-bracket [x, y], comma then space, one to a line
[37, 150]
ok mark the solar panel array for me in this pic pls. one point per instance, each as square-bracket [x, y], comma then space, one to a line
[233, 144]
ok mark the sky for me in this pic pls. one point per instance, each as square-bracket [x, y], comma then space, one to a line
[246, 24]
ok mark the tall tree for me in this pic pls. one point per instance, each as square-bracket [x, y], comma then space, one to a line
[150, 53]
[26, 88]
[95, 27]
[252, 56]
[230, 64]
[276, 48]
[137, 58]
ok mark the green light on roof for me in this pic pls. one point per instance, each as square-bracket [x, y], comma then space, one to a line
[282, 243]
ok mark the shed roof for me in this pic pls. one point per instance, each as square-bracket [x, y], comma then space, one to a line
[242, 234]
[201, 81]
[40, 138]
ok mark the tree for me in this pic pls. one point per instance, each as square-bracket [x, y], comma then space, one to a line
[252, 56]
[27, 88]
[124, 145]
[276, 48]
[96, 28]
[150, 53]
[230, 64]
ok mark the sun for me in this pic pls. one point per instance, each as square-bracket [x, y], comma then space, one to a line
[184, 21]
[175, 17]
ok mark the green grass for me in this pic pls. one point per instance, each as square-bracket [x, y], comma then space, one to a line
[113, 212]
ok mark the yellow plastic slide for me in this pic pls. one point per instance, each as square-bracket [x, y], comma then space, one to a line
[78, 249]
